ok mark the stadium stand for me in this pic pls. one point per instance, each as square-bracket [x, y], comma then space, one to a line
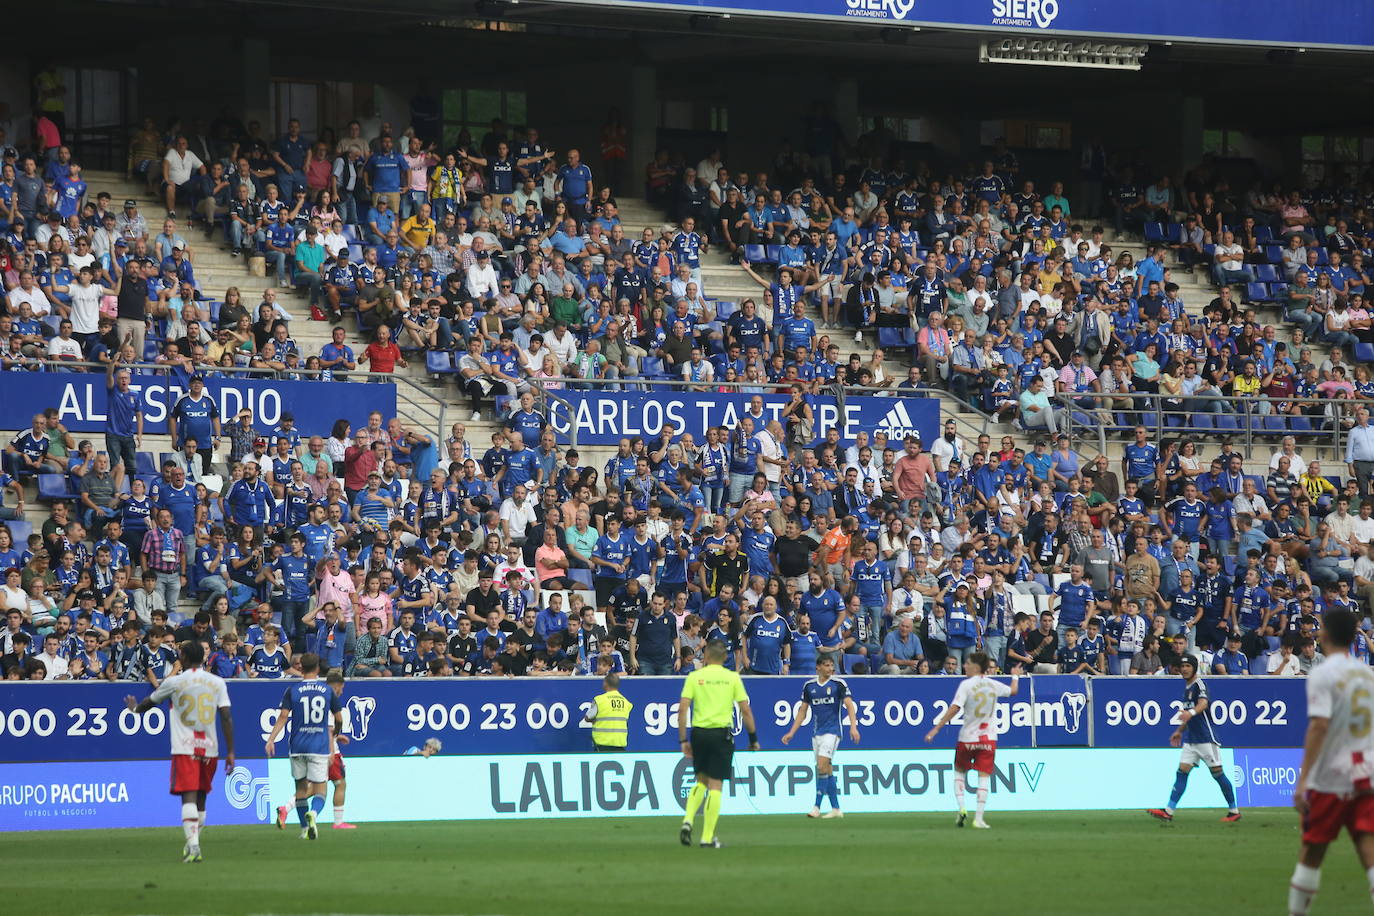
[1135, 358]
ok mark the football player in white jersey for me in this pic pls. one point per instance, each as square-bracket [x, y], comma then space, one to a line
[198, 698]
[1334, 788]
[977, 696]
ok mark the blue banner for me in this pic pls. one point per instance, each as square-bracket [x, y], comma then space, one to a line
[384, 717]
[1246, 712]
[1336, 23]
[604, 417]
[80, 401]
[132, 793]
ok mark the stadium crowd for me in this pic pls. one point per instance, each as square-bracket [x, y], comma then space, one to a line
[506, 265]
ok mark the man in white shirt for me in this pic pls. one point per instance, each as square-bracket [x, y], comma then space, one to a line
[950, 445]
[1289, 449]
[698, 371]
[54, 663]
[517, 514]
[1362, 530]
[481, 277]
[562, 343]
[1229, 262]
[772, 457]
[26, 291]
[178, 167]
[63, 346]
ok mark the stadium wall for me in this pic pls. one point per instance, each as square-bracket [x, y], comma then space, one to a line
[72, 756]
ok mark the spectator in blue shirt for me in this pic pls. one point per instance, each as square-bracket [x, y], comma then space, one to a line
[902, 650]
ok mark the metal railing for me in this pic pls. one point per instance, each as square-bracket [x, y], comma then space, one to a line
[1097, 414]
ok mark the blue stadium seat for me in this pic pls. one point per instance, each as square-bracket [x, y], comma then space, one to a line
[1202, 420]
[1274, 423]
[774, 254]
[1299, 423]
[214, 305]
[146, 464]
[19, 532]
[1273, 254]
[896, 337]
[150, 349]
[439, 362]
[1323, 258]
[1173, 232]
[651, 367]
[1364, 352]
[1256, 292]
[851, 660]
[54, 486]
[725, 308]
[1267, 273]
[1226, 421]
[582, 577]
[1263, 233]
[1154, 232]
[1229, 565]
[755, 254]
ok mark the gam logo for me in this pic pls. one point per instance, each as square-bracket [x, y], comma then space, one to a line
[1025, 13]
[879, 9]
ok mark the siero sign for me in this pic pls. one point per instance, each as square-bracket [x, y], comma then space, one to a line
[1025, 13]
[879, 9]
[604, 417]
[80, 400]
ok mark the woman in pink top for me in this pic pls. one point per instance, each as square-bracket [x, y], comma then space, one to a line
[374, 602]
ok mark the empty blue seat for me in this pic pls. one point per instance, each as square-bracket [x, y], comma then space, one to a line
[1263, 233]
[652, 367]
[1323, 258]
[895, 337]
[1229, 564]
[1267, 273]
[439, 362]
[215, 305]
[1226, 421]
[773, 253]
[582, 577]
[54, 486]
[1299, 423]
[1274, 423]
[1273, 254]
[725, 308]
[146, 464]
[1154, 232]
[1364, 352]
[755, 254]
[1202, 421]
[1174, 233]
[1256, 292]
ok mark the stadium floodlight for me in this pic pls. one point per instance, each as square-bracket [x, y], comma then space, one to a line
[1063, 52]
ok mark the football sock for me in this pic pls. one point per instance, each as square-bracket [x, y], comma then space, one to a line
[190, 823]
[301, 808]
[959, 790]
[1226, 790]
[1180, 783]
[820, 788]
[982, 804]
[200, 819]
[1369, 873]
[1302, 888]
[708, 824]
[832, 788]
[694, 800]
[338, 814]
[317, 804]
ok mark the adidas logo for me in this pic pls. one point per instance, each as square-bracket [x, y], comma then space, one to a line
[897, 423]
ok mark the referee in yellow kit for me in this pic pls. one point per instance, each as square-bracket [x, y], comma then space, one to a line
[711, 693]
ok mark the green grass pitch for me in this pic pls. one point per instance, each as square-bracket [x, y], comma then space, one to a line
[1118, 862]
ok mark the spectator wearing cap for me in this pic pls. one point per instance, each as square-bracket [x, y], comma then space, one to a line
[482, 280]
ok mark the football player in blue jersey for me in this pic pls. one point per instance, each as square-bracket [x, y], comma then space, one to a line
[1194, 734]
[825, 695]
[316, 715]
